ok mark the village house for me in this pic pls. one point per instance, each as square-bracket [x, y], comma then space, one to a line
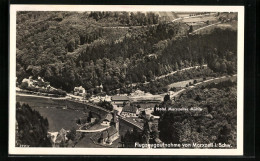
[100, 87]
[129, 111]
[112, 133]
[109, 135]
[40, 79]
[39, 83]
[119, 100]
[93, 119]
[79, 91]
[61, 138]
[29, 81]
[147, 113]
[107, 120]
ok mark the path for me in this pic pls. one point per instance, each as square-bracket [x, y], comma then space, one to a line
[33, 95]
[202, 28]
[92, 131]
[200, 83]
[166, 75]
[169, 74]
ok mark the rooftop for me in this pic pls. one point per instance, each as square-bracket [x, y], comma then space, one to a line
[108, 117]
[129, 108]
[109, 132]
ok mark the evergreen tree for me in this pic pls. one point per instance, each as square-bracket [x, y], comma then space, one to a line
[32, 127]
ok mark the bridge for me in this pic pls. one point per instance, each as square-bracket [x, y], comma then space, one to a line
[93, 131]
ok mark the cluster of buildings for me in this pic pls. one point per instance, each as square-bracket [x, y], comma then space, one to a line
[80, 91]
[127, 109]
[39, 83]
[124, 106]
[124, 109]
[58, 139]
[112, 133]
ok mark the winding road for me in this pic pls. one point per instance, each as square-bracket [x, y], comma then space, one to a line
[201, 83]
[202, 28]
[169, 74]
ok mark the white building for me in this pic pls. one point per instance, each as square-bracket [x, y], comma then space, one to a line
[79, 91]
[29, 81]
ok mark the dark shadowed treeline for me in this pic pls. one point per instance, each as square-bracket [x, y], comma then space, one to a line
[31, 127]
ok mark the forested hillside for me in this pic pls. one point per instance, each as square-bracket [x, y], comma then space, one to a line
[113, 48]
[215, 123]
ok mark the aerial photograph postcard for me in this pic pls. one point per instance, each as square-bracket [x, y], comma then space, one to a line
[126, 80]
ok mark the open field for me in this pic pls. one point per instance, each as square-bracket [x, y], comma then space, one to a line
[59, 118]
[147, 98]
[231, 25]
[208, 29]
[52, 110]
[220, 79]
[199, 19]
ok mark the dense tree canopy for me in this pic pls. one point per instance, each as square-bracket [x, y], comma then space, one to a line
[70, 49]
[215, 123]
[32, 127]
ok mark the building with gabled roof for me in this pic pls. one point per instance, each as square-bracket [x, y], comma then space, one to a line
[61, 137]
[130, 111]
[119, 100]
[107, 120]
[109, 135]
[112, 133]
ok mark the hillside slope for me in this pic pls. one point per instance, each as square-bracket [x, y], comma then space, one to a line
[70, 49]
